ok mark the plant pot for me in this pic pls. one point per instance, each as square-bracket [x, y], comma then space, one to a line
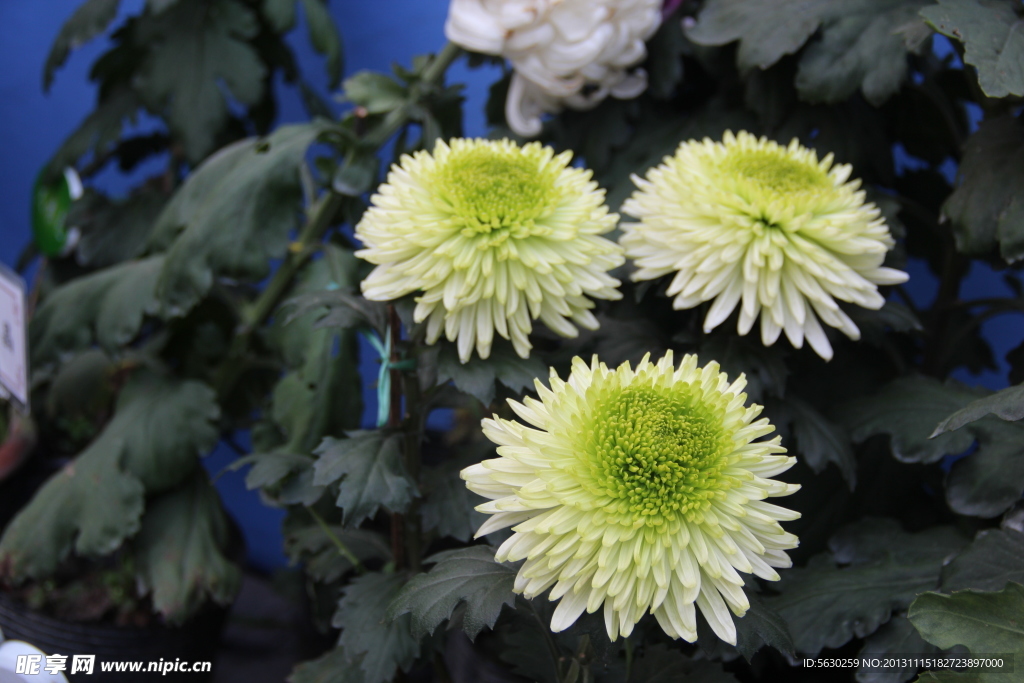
[196, 641]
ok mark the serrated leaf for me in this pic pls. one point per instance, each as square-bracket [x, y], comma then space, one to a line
[386, 644]
[990, 480]
[899, 638]
[661, 664]
[765, 368]
[104, 308]
[908, 410]
[821, 441]
[448, 506]
[477, 376]
[316, 550]
[99, 131]
[766, 31]
[82, 387]
[88, 21]
[160, 426]
[196, 51]
[114, 231]
[252, 186]
[985, 623]
[336, 666]
[469, 576]
[270, 468]
[180, 551]
[762, 626]
[995, 558]
[375, 92]
[372, 471]
[338, 308]
[324, 35]
[992, 33]
[863, 46]
[826, 605]
[987, 207]
[863, 43]
[1007, 404]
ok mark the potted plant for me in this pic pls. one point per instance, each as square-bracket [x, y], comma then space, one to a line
[671, 285]
[126, 549]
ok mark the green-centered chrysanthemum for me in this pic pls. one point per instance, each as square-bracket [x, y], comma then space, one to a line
[495, 236]
[639, 490]
[771, 228]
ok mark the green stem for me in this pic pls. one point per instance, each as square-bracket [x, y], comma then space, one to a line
[319, 221]
[338, 543]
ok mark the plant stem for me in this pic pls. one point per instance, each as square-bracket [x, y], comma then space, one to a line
[319, 220]
[338, 543]
[395, 422]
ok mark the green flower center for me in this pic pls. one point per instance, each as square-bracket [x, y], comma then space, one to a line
[774, 171]
[654, 454]
[499, 192]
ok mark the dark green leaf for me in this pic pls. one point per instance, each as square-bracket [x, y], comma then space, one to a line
[1007, 404]
[665, 52]
[821, 441]
[863, 43]
[271, 467]
[337, 666]
[761, 626]
[863, 46]
[358, 173]
[315, 548]
[448, 507]
[324, 36]
[104, 308]
[82, 387]
[994, 558]
[985, 623]
[114, 230]
[987, 207]
[477, 376]
[252, 186]
[151, 445]
[196, 50]
[661, 664]
[99, 132]
[339, 308]
[181, 551]
[280, 14]
[908, 410]
[386, 644]
[469, 576]
[374, 92]
[373, 470]
[826, 605]
[766, 31]
[89, 20]
[992, 33]
[897, 638]
[990, 480]
[765, 368]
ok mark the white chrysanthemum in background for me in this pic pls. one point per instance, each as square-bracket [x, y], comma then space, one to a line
[638, 490]
[565, 52]
[770, 228]
[495, 236]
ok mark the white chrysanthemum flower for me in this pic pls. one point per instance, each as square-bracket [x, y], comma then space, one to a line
[564, 52]
[495, 236]
[638, 490]
[772, 229]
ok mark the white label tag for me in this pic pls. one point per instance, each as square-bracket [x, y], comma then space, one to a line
[13, 352]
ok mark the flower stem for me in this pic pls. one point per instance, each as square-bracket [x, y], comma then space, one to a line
[338, 543]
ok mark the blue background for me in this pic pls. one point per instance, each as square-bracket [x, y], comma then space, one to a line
[375, 34]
